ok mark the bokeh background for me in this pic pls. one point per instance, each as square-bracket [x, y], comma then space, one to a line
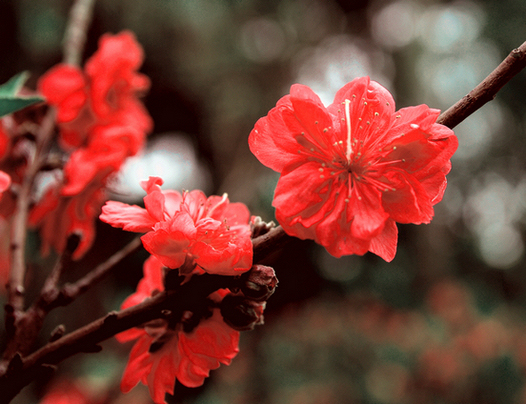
[445, 322]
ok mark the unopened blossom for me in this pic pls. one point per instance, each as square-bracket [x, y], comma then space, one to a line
[351, 170]
[163, 354]
[212, 232]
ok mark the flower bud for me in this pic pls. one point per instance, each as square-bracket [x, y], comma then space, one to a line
[259, 227]
[259, 283]
[240, 313]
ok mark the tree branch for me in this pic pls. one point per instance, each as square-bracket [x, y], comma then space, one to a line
[268, 242]
[21, 371]
[75, 35]
[17, 273]
[487, 90]
[71, 291]
[18, 328]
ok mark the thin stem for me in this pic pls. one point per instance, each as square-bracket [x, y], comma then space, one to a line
[50, 290]
[72, 291]
[19, 226]
[75, 35]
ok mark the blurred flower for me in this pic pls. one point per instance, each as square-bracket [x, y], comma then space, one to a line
[213, 232]
[164, 352]
[102, 122]
[353, 169]
[59, 216]
[5, 179]
[98, 111]
[66, 392]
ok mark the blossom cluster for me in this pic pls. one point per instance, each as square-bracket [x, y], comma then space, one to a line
[164, 353]
[212, 232]
[101, 123]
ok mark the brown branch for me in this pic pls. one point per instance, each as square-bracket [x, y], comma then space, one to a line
[75, 35]
[71, 291]
[15, 284]
[269, 242]
[15, 318]
[29, 323]
[487, 90]
[21, 371]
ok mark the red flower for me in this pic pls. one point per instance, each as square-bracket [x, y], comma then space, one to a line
[353, 169]
[60, 216]
[102, 122]
[5, 179]
[66, 392]
[106, 94]
[212, 231]
[108, 148]
[98, 112]
[163, 354]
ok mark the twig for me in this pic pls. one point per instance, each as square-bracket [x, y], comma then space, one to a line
[49, 291]
[19, 227]
[29, 323]
[75, 35]
[15, 318]
[70, 291]
[266, 243]
[487, 90]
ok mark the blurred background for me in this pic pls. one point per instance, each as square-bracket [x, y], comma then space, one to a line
[445, 322]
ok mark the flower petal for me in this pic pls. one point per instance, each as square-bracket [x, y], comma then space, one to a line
[384, 245]
[301, 197]
[169, 241]
[407, 201]
[371, 109]
[366, 211]
[128, 217]
[272, 143]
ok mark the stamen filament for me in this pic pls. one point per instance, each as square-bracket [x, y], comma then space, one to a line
[348, 121]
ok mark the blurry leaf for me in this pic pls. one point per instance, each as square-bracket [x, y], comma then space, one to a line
[9, 101]
[13, 85]
[9, 105]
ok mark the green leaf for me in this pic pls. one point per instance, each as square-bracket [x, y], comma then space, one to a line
[9, 101]
[10, 88]
[10, 105]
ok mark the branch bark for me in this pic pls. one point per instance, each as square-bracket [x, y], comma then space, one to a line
[487, 89]
[75, 35]
[21, 371]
